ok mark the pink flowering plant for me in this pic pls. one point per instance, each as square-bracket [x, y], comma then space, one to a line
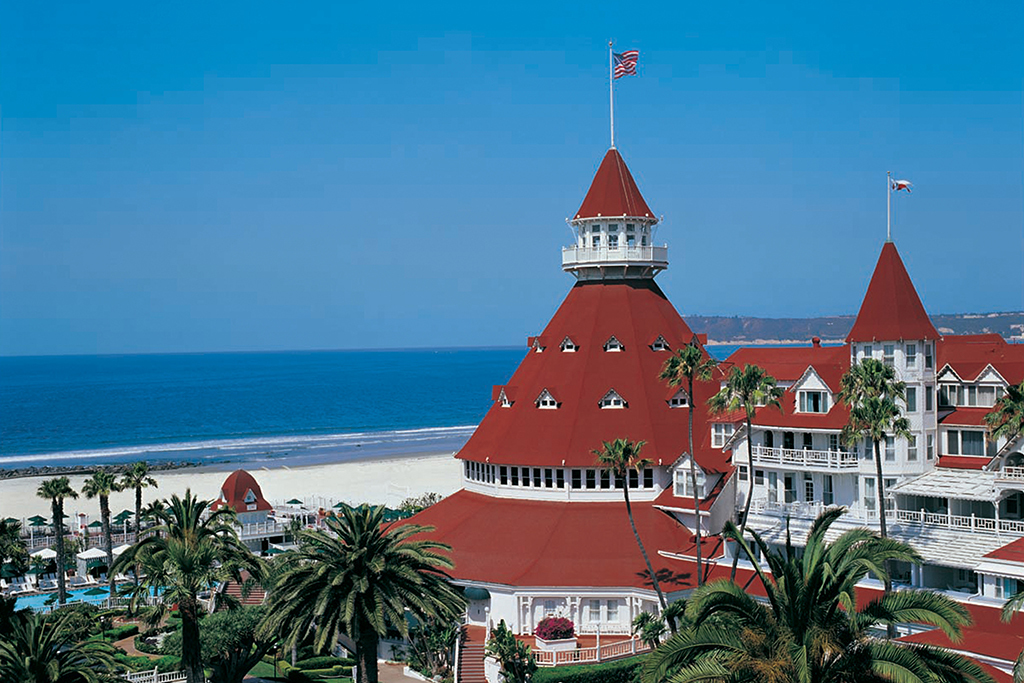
[554, 628]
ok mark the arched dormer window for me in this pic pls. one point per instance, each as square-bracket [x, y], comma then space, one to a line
[250, 497]
[612, 400]
[613, 344]
[679, 400]
[546, 400]
[504, 401]
[660, 344]
[568, 346]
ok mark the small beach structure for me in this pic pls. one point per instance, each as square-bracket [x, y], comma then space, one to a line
[257, 527]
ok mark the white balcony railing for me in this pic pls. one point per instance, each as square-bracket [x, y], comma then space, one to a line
[796, 509]
[803, 459]
[1010, 474]
[624, 255]
[985, 525]
[590, 655]
[261, 529]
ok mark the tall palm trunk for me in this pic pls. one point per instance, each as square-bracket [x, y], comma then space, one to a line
[58, 530]
[880, 488]
[191, 657]
[366, 658]
[750, 493]
[693, 483]
[108, 539]
[138, 525]
[643, 551]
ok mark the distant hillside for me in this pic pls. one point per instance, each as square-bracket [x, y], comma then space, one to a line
[745, 330]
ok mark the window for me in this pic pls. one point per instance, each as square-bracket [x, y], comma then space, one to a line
[930, 448]
[720, 433]
[965, 442]
[680, 400]
[648, 478]
[613, 344]
[889, 354]
[911, 355]
[833, 442]
[613, 227]
[560, 478]
[515, 476]
[890, 449]
[828, 495]
[549, 477]
[759, 477]
[813, 402]
[536, 477]
[606, 479]
[869, 494]
[591, 479]
[868, 351]
[619, 483]
[769, 439]
[612, 400]
[929, 361]
[504, 400]
[890, 503]
[790, 482]
[595, 610]
[683, 487]
[948, 395]
[773, 487]
[986, 396]
[568, 346]
[659, 344]
[808, 487]
[743, 472]
[952, 442]
[595, 240]
[549, 608]
[972, 395]
[808, 441]
[546, 400]
[787, 440]
[613, 241]
[504, 475]
[634, 479]
[912, 448]
[929, 390]
[911, 400]
[576, 479]
[613, 611]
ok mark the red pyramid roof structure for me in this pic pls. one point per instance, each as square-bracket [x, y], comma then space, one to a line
[613, 192]
[236, 488]
[891, 309]
[636, 313]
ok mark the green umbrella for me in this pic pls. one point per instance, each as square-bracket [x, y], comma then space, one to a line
[123, 515]
[97, 524]
[11, 520]
[274, 551]
[97, 591]
[37, 520]
[340, 505]
[294, 501]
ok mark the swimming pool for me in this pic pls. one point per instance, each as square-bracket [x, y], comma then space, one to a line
[37, 602]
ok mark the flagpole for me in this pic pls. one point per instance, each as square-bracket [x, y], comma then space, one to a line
[611, 92]
[888, 206]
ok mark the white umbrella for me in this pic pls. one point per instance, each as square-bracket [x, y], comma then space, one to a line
[120, 549]
[92, 554]
[45, 553]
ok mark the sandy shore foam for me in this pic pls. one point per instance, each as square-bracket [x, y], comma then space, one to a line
[385, 481]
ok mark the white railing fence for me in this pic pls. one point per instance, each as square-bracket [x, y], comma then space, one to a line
[614, 254]
[1010, 474]
[960, 522]
[832, 460]
[589, 655]
[154, 676]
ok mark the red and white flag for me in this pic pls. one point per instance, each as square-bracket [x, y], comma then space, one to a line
[625, 63]
[898, 185]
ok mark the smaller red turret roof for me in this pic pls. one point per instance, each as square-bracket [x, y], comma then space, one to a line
[613, 192]
[240, 492]
[891, 309]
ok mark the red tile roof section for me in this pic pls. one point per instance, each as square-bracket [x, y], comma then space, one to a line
[1011, 552]
[966, 417]
[635, 312]
[542, 543]
[987, 636]
[969, 354]
[963, 462]
[891, 309]
[234, 490]
[613, 192]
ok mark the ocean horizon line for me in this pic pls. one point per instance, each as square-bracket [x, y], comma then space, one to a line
[128, 354]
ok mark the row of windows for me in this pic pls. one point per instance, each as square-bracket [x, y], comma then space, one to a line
[970, 395]
[834, 444]
[612, 399]
[613, 345]
[554, 477]
[910, 355]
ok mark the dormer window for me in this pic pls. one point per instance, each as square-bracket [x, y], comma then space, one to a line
[680, 400]
[660, 344]
[720, 433]
[536, 345]
[569, 346]
[612, 400]
[813, 402]
[250, 497]
[613, 344]
[546, 400]
[503, 400]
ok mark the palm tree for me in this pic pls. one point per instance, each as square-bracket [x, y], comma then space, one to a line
[1012, 606]
[100, 485]
[358, 578]
[1006, 420]
[517, 662]
[685, 365]
[137, 477]
[619, 457]
[810, 628]
[12, 545]
[747, 389]
[41, 650]
[56, 490]
[871, 391]
[192, 550]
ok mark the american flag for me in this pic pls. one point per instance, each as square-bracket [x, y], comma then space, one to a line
[625, 63]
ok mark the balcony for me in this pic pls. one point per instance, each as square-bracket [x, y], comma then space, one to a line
[574, 257]
[792, 458]
[1010, 474]
[985, 525]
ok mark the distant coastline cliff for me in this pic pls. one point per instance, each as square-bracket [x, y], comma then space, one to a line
[750, 330]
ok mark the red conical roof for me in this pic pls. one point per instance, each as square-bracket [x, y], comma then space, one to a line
[636, 313]
[235, 492]
[891, 309]
[613, 192]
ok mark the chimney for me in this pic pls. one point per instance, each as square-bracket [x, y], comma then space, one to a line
[816, 342]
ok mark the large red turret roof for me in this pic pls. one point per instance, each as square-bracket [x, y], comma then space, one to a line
[636, 313]
[235, 494]
[891, 309]
[613, 192]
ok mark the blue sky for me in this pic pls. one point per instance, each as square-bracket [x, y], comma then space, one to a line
[249, 176]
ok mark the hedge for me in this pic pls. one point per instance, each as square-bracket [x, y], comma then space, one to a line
[330, 672]
[167, 663]
[122, 632]
[323, 662]
[142, 646]
[619, 671]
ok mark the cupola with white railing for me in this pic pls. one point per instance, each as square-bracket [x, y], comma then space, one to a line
[614, 229]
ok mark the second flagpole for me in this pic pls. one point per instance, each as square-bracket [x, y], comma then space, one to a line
[611, 92]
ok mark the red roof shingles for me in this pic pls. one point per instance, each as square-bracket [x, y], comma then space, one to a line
[987, 636]
[965, 417]
[964, 462]
[1011, 552]
[634, 312]
[542, 543]
[613, 192]
[891, 309]
[234, 490]
[969, 354]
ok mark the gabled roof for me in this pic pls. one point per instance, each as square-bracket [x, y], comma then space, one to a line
[232, 494]
[891, 309]
[634, 311]
[613, 192]
[969, 354]
[965, 417]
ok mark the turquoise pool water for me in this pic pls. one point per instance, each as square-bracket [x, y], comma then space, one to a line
[37, 602]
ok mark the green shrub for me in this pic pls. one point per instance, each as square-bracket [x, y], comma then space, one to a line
[619, 671]
[135, 663]
[329, 672]
[121, 632]
[142, 646]
[296, 676]
[323, 662]
[167, 664]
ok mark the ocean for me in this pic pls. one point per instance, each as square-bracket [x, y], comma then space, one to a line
[294, 408]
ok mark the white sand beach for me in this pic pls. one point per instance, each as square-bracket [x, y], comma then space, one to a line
[377, 481]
